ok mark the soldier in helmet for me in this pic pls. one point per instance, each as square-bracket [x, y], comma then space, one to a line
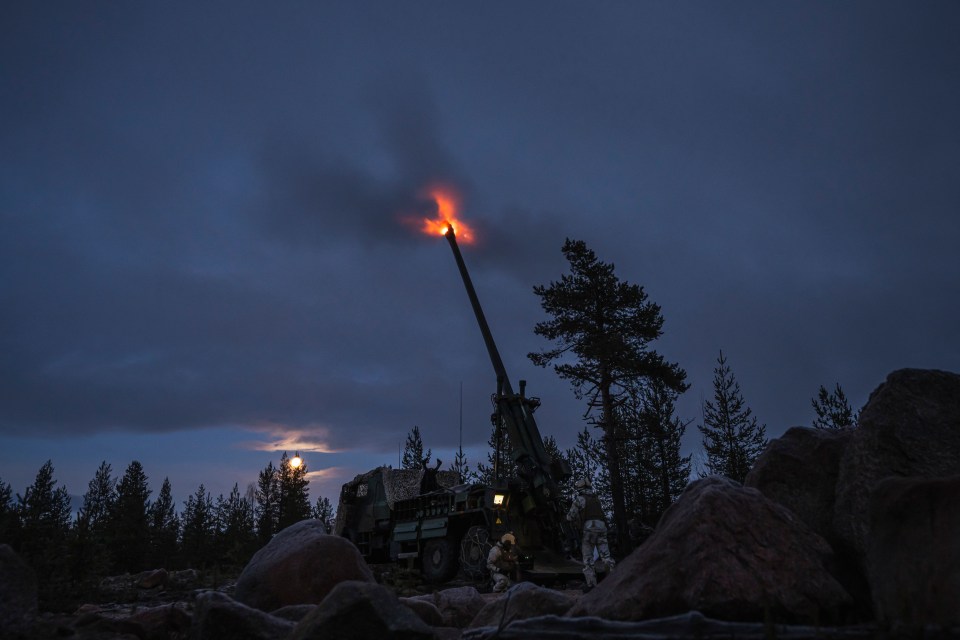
[502, 562]
[587, 511]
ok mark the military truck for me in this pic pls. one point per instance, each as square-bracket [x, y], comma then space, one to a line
[443, 525]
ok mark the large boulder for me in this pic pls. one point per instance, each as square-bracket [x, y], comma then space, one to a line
[18, 591]
[913, 553]
[799, 470]
[521, 601]
[359, 611]
[300, 565]
[729, 552]
[910, 426]
[217, 615]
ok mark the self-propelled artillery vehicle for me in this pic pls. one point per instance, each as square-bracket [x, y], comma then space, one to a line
[430, 517]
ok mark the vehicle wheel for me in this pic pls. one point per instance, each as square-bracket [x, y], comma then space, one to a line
[439, 560]
[474, 549]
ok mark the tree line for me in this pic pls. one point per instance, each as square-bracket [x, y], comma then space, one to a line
[601, 331]
[118, 528]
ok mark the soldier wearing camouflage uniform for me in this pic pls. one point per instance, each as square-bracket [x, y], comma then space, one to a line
[586, 509]
[502, 562]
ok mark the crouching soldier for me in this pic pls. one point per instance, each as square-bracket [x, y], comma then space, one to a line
[502, 562]
[586, 509]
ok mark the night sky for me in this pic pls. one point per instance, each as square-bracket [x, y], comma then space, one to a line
[205, 250]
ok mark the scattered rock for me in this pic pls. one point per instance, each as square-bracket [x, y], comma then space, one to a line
[151, 579]
[300, 565]
[913, 553]
[18, 591]
[522, 600]
[729, 552]
[163, 622]
[217, 616]
[910, 426]
[425, 610]
[294, 612]
[687, 625]
[458, 606]
[360, 611]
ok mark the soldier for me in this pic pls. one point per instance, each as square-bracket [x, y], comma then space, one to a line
[502, 562]
[586, 509]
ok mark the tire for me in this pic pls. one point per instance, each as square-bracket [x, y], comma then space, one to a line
[439, 562]
[474, 549]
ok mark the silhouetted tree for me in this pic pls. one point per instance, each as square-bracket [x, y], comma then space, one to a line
[44, 515]
[732, 438]
[199, 529]
[129, 524]
[8, 515]
[659, 438]
[294, 496]
[495, 471]
[588, 461]
[460, 466]
[413, 456]
[92, 549]
[602, 328]
[324, 512]
[236, 534]
[164, 528]
[267, 510]
[833, 410]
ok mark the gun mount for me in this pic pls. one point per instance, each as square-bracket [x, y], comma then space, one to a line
[539, 472]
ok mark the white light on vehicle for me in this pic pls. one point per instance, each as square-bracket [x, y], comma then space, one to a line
[498, 498]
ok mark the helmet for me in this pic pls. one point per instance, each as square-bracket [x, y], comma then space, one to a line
[508, 538]
[583, 483]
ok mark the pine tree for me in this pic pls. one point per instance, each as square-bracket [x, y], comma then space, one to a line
[199, 529]
[294, 498]
[553, 450]
[497, 470]
[732, 438]
[129, 525]
[92, 548]
[660, 442]
[413, 456]
[267, 510]
[236, 534]
[164, 528]
[44, 515]
[588, 462]
[324, 512]
[833, 410]
[460, 466]
[602, 328]
[9, 524]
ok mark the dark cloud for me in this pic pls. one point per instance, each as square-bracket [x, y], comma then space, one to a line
[203, 207]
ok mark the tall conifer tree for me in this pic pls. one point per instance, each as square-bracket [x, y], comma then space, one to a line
[732, 438]
[129, 523]
[601, 328]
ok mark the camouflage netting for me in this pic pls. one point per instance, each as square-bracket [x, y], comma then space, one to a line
[398, 484]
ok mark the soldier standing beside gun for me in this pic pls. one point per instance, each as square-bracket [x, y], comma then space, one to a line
[502, 562]
[586, 509]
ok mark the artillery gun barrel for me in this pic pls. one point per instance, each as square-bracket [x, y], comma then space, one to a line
[502, 380]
